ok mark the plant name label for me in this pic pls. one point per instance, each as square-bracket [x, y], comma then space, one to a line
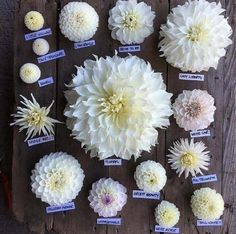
[204, 179]
[51, 56]
[169, 230]
[217, 222]
[200, 133]
[40, 140]
[141, 194]
[192, 77]
[109, 221]
[112, 162]
[65, 207]
[41, 33]
[84, 44]
[129, 48]
[45, 82]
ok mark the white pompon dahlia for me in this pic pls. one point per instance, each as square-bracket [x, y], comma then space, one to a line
[78, 21]
[131, 22]
[107, 197]
[189, 157]
[195, 36]
[194, 110]
[114, 106]
[150, 176]
[57, 178]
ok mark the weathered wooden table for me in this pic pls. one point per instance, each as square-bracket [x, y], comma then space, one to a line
[137, 215]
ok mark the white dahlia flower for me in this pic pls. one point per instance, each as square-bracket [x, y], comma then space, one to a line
[207, 204]
[57, 178]
[167, 214]
[195, 36]
[114, 106]
[78, 21]
[40, 46]
[34, 20]
[189, 157]
[30, 73]
[107, 197]
[150, 176]
[194, 110]
[131, 22]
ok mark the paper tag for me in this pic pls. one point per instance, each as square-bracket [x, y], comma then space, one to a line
[109, 221]
[142, 194]
[217, 222]
[193, 77]
[84, 44]
[112, 162]
[40, 140]
[41, 33]
[45, 82]
[51, 56]
[204, 179]
[169, 230]
[200, 133]
[129, 48]
[53, 209]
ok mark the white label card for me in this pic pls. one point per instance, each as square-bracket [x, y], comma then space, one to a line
[204, 179]
[109, 221]
[112, 162]
[129, 48]
[40, 140]
[41, 33]
[141, 194]
[84, 44]
[45, 82]
[217, 222]
[168, 230]
[201, 133]
[51, 56]
[65, 207]
[192, 77]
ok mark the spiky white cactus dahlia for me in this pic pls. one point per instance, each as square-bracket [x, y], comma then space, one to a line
[114, 106]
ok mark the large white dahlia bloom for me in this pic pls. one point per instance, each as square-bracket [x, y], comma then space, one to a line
[57, 178]
[114, 106]
[195, 36]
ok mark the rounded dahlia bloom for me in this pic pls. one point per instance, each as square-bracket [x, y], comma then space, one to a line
[167, 214]
[131, 22]
[194, 110]
[150, 176]
[195, 36]
[30, 73]
[34, 20]
[40, 46]
[115, 105]
[107, 197]
[57, 178]
[207, 204]
[78, 21]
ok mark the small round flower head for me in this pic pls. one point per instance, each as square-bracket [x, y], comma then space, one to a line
[30, 73]
[207, 204]
[194, 110]
[188, 157]
[167, 214]
[150, 176]
[34, 20]
[40, 46]
[107, 197]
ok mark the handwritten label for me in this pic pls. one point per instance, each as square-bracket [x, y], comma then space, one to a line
[200, 133]
[193, 77]
[51, 56]
[109, 221]
[40, 140]
[45, 82]
[84, 44]
[41, 33]
[169, 230]
[217, 222]
[142, 194]
[53, 209]
[129, 48]
[204, 179]
[112, 162]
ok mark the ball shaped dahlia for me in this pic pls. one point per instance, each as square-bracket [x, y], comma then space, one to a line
[207, 204]
[195, 36]
[150, 176]
[107, 197]
[57, 178]
[167, 214]
[34, 20]
[30, 73]
[114, 106]
[78, 21]
[40, 46]
[194, 110]
[131, 22]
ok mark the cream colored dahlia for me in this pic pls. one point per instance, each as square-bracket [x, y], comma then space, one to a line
[34, 118]
[131, 22]
[194, 110]
[107, 197]
[114, 106]
[34, 20]
[150, 176]
[207, 204]
[40, 46]
[167, 214]
[78, 21]
[30, 73]
[195, 36]
[57, 178]
[188, 157]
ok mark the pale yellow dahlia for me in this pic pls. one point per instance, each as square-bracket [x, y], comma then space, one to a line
[115, 105]
[131, 22]
[30, 73]
[195, 36]
[40, 46]
[34, 20]
[207, 204]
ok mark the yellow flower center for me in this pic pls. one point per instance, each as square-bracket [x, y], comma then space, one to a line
[193, 109]
[130, 21]
[196, 33]
[188, 159]
[167, 216]
[34, 118]
[28, 72]
[79, 18]
[56, 180]
[150, 178]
